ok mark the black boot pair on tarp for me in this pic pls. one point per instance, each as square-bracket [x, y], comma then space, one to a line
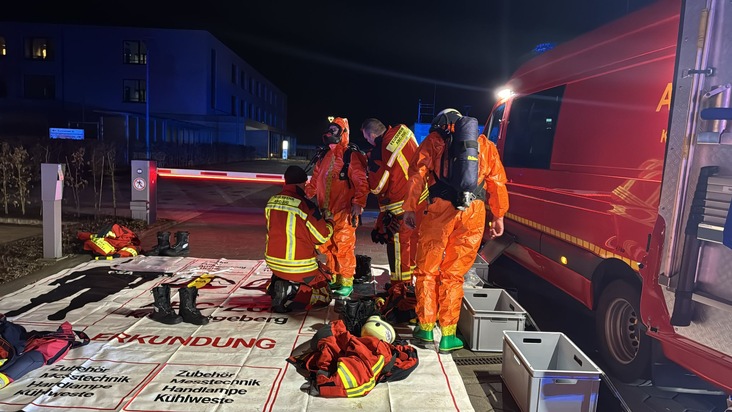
[187, 312]
[164, 248]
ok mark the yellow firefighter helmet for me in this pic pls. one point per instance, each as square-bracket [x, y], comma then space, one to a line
[378, 328]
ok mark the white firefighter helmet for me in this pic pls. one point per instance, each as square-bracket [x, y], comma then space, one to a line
[378, 328]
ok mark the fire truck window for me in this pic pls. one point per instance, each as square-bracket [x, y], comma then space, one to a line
[494, 124]
[531, 126]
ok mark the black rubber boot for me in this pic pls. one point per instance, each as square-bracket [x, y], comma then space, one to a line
[282, 292]
[162, 246]
[164, 313]
[363, 269]
[188, 309]
[180, 248]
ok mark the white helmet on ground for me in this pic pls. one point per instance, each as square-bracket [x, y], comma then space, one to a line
[378, 328]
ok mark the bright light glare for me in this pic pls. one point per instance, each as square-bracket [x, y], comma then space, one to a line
[285, 145]
[505, 93]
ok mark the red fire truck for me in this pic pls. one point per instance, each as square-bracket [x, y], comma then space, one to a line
[618, 150]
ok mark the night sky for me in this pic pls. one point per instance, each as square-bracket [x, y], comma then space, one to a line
[362, 59]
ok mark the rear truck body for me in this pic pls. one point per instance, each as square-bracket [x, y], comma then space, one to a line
[604, 139]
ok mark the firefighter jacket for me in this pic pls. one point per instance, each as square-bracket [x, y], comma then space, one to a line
[343, 365]
[336, 193]
[388, 165]
[294, 228]
[113, 240]
[388, 174]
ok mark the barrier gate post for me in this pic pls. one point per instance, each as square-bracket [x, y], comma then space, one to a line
[52, 192]
[144, 199]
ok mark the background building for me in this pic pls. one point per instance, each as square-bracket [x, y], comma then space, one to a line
[146, 90]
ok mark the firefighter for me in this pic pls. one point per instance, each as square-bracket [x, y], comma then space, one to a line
[294, 228]
[388, 176]
[452, 228]
[340, 187]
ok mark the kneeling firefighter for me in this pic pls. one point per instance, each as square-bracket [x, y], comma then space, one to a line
[294, 228]
[460, 166]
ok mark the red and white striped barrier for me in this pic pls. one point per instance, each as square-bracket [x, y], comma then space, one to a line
[221, 175]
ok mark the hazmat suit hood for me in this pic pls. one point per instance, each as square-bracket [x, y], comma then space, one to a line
[337, 132]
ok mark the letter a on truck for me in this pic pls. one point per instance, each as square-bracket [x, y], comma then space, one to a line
[618, 150]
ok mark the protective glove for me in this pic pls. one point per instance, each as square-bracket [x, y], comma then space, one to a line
[394, 224]
[356, 212]
[377, 232]
[385, 219]
[376, 236]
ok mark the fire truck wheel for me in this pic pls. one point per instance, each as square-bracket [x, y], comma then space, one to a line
[621, 336]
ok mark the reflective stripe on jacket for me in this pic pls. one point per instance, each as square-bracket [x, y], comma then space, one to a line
[294, 228]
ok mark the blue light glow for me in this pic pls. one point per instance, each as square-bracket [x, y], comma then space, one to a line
[543, 47]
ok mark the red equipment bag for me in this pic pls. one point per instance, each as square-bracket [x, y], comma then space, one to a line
[55, 345]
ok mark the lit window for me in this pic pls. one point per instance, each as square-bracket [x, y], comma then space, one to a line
[3, 49]
[134, 52]
[134, 91]
[38, 48]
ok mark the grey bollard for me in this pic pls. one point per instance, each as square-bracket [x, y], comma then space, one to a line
[52, 191]
[144, 198]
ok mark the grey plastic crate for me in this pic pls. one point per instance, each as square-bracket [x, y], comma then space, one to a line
[484, 314]
[481, 269]
[546, 372]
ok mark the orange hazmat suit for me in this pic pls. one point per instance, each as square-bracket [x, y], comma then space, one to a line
[449, 238]
[336, 195]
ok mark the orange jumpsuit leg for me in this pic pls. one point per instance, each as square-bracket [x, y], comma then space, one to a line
[340, 250]
[460, 253]
[419, 215]
[434, 231]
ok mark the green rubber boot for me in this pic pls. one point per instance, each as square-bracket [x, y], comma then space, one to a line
[450, 343]
[346, 287]
[343, 291]
[423, 335]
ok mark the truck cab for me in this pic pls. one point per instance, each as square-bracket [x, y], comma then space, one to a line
[603, 139]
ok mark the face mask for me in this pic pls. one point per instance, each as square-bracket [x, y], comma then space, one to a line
[332, 135]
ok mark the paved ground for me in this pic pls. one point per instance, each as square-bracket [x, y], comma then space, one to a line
[225, 220]
[12, 232]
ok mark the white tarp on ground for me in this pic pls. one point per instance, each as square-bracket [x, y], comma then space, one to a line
[235, 363]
